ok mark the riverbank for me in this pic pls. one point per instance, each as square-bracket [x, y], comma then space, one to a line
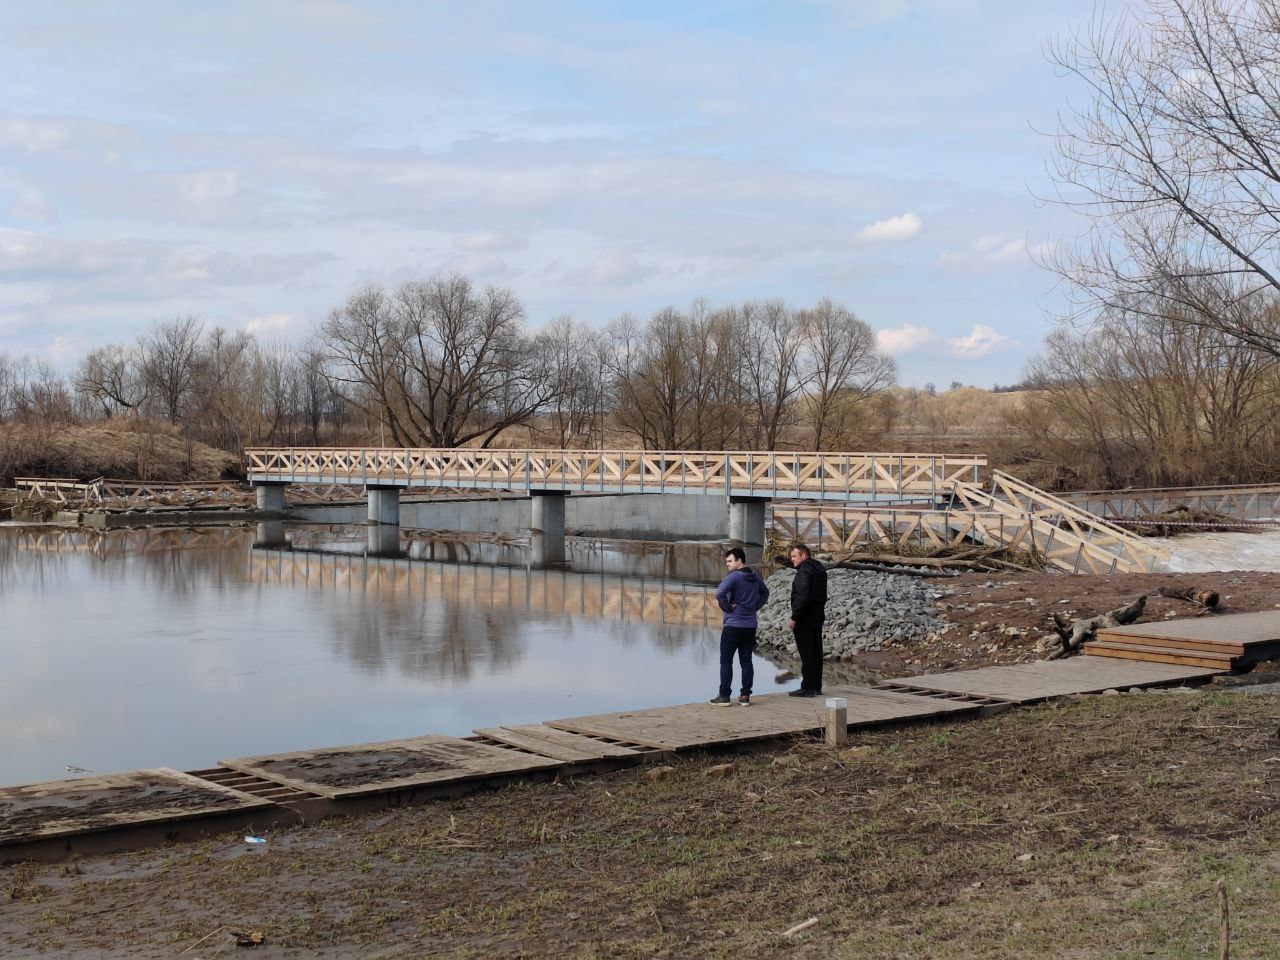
[1092, 827]
[1004, 619]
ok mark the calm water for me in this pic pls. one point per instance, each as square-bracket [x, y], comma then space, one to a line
[181, 647]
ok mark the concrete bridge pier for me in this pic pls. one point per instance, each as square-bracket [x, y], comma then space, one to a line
[746, 520]
[546, 528]
[384, 506]
[384, 521]
[270, 496]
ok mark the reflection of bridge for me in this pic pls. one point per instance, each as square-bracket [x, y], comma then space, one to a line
[118, 543]
[509, 588]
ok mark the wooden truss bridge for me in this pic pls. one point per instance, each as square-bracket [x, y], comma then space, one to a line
[1010, 513]
[768, 475]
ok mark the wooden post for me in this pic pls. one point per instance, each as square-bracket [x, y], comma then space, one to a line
[837, 721]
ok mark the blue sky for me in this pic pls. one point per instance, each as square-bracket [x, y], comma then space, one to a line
[256, 162]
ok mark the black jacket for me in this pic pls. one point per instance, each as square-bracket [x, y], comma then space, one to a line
[809, 592]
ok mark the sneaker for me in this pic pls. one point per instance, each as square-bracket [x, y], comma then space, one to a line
[744, 700]
[801, 693]
[720, 701]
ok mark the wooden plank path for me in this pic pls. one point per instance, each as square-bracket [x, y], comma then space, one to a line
[692, 725]
[343, 772]
[558, 744]
[65, 808]
[38, 819]
[1222, 642]
[1032, 682]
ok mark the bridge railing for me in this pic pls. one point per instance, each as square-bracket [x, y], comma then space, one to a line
[740, 473]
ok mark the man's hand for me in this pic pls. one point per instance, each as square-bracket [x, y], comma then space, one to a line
[791, 624]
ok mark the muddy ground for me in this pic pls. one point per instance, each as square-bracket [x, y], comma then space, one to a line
[1000, 618]
[1091, 827]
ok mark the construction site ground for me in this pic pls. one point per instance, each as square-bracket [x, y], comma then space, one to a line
[1001, 618]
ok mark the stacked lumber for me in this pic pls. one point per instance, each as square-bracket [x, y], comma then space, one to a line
[1220, 642]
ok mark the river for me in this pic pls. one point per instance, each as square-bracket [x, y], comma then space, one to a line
[181, 647]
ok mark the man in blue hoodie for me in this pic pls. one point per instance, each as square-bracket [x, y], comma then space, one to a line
[740, 595]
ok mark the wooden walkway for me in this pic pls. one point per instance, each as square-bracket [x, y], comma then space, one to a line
[128, 810]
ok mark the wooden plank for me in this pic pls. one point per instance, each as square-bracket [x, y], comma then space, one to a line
[1124, 651]
[340, 772]
[1208, 646]
[1246, 629]
[1027, 683]
[701, 724]
[58, 808]
[558, 744]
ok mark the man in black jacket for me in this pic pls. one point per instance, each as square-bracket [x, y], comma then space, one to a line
[808, 610]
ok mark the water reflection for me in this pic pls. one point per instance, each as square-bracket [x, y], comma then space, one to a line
[178, 647]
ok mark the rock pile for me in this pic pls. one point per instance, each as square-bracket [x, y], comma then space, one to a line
[865, 610]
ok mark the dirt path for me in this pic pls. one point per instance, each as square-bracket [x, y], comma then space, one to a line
[1095, 827]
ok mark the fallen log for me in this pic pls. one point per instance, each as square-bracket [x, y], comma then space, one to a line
[1074, 634]
[1204, 598]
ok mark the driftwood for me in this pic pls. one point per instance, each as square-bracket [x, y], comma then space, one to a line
[1074, 634]
[1204, 598]
[982, 559]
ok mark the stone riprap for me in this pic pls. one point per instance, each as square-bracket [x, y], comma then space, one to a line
[865, 610]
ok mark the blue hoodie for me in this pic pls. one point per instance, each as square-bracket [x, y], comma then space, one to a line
[740, 595]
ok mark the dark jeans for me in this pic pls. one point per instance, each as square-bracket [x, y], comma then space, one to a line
[809, 646]
[742, 640]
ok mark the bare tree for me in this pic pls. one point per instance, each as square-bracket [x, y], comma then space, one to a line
[171, 352]
[775, 339]
[114, 378]
[846, 371]
[1175, 159]
[437, 362]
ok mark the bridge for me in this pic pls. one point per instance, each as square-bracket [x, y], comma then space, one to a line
[946, 490]
[750, 479]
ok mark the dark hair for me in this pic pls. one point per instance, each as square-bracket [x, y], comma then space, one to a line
[737, 553]
[802, 548]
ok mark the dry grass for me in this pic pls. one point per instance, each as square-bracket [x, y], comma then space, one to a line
[141, 450]
[913, 843]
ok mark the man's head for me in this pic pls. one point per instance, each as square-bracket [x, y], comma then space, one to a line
[799, 554]
[735, 558]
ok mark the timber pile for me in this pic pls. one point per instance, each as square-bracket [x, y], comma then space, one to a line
[1223, 643]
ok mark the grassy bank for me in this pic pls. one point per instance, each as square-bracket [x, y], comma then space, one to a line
[1091, 828]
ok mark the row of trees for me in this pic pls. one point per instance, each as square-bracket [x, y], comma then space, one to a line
[443, 363]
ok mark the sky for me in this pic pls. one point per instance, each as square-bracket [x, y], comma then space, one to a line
[255, 163]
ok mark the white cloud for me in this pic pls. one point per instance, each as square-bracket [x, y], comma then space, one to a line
[994, 251]
[209, 186]
[611, 270]
[980, 341]
[903, 339]
[895, 228]
[487, 241]
[275, 324]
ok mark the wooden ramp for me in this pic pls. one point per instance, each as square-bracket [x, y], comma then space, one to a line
[343, 772]
[558, 744]
[1030, 682]
[691, 725]
[66, 808]
[1220, 642]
